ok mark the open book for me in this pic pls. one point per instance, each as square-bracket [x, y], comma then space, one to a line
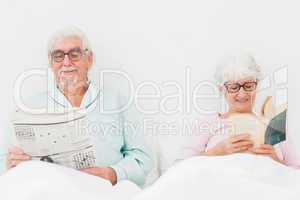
[251, 124]
[60, 138]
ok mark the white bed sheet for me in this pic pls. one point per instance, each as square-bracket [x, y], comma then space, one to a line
[234, 177]
[35, 180]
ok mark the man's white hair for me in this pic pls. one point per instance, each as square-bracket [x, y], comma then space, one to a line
[69, 32]
[236, 67]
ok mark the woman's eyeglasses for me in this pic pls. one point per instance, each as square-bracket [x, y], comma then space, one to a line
[235, 87]
[74, 55]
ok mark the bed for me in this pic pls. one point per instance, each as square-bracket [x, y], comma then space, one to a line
[235, 177]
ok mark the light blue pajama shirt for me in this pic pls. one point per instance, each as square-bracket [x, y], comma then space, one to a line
[118, 137]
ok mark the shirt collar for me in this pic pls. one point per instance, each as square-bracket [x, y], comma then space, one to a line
[59, 100]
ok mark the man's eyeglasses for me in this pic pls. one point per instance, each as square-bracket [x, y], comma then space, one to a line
[74, 55]
[235, 87]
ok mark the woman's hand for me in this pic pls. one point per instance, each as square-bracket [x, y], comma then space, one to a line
[234, 144]
[267, 150]
[15, 157]
[107, 173]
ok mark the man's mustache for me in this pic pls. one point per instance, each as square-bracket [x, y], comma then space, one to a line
[64, 69]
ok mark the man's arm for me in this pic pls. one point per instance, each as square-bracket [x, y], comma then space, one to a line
[2, 160]
[138, 158]
[137, 161]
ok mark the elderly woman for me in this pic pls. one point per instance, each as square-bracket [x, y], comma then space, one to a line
[237, 77]
[121, 151]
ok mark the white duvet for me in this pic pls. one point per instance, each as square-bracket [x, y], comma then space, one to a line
[36, 180]
[235, 177]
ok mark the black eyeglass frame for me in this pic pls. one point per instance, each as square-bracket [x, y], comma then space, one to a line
[226, 84]
[81, 51]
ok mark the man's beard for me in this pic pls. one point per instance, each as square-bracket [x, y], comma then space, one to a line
[70, 84]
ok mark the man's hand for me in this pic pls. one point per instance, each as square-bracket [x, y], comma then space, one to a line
[107, 173]
[234, 144]
[267, 150]
[15, 157]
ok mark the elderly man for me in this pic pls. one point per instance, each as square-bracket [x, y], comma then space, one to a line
[121, 151]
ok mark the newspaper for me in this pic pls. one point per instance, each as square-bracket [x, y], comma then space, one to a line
[60, 138]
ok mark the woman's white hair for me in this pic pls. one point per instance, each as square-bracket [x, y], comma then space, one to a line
[69, 32]
[236, 67]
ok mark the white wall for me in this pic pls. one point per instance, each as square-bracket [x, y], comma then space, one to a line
[152, 40]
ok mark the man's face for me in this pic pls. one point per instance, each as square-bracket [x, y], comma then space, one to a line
[241, 100]
[70, 62]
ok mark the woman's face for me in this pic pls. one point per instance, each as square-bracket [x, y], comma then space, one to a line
[240, 95]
